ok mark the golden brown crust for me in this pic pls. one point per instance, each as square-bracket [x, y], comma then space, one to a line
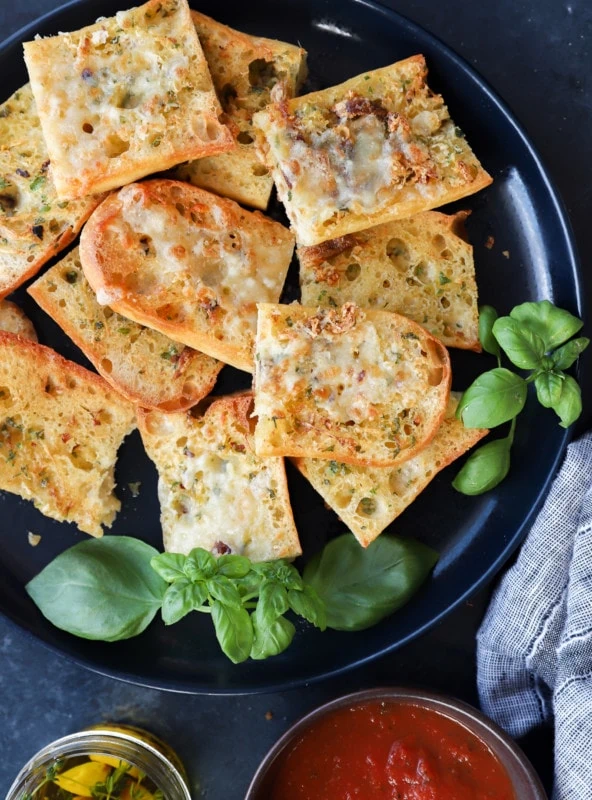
[186, 263]
[14, 320]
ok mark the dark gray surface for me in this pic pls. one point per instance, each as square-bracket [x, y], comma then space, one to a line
[537, 56]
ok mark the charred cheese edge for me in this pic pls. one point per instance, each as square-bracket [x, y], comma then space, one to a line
[142, 364]
[368, 499]
[379, 147]
[420, 267]
[244, 70]
[187, 263]
[346, 384]
[34, 223]
[125, 97]
[214, 491]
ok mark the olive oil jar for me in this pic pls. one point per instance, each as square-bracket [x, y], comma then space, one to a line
[107, 762]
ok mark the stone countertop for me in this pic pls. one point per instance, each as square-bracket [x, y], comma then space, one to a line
[537, 56]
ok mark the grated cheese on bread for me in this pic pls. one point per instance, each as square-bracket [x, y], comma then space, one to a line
[379, 147]
[14, 320]
[34, 224]
[244, 70]
[143, 365]
[420, 267]
[368, 499]
[60, 429]
[186, 263]
[362, 387]
[125, 97]
[214, 491]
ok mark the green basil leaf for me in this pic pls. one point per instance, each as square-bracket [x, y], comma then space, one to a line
[103, 589]
[273, 639]
[233, 566]
[548, 388]
[487, 316]
[308, 604]
[485, 468]
[553, 325]
[169, 566]
[279, 572]
[177, 601]
[361, 586]
[222, 589]
[272, 603]
[234, 631]
[250, 583]
[569, 406]
[200, 564]
[492, 399]
[566, 355]
[524, 348]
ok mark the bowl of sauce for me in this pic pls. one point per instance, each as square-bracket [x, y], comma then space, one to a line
[395, 744]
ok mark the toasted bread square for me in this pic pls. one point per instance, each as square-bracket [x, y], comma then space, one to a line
[244, 70]
[378, 147]
[187, 263]
[14, 320]
[362, 387]
[125, 97]
[60, 429]
[368, 499]
[143, 365]
[419, 267]
[214, 491]
[34, 224]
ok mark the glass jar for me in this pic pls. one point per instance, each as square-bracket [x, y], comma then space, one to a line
[133, 746]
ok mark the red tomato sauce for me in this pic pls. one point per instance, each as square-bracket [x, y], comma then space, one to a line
[391, 751]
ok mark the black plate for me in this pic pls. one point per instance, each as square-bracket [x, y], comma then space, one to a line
[533, 258]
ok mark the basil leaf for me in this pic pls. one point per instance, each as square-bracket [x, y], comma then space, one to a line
[487, 316]
[200, 564]
[270, 640]
[569, 406]
[233, 566]
[492, 399]
[565, 356]
[272, 603]
[103, 589]
[169, 566]
[548, 388]
[553, 325]
[524, 348]
[234, 631]
[250, 584]
[361, 586]
[485, 468]
[308, 604]
[222, 589]
[177, 601]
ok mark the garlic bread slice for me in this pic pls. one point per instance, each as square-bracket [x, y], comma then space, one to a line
[14, 320]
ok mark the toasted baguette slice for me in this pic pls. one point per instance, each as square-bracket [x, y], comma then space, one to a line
[125, 97]
[368, 499]
[14, 320]
[214, 491]
[60, 429]
[34, 225]
[362, 387]
[187, 263]
[378, 147]
[140, 363]
[244, 69]
[419, 267]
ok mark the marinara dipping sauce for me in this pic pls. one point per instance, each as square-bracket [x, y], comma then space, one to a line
[394, 750]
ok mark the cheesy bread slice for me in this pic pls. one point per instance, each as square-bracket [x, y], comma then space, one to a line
[379, 147]
[214, 491]
[244, 70]
[143, 365]
[187, 263]
[125, 97]
[368, 499]
[358, 386]
[34, 223]
[421, 267]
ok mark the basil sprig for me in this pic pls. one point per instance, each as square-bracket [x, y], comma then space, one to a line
[112, 588]
[533, 337]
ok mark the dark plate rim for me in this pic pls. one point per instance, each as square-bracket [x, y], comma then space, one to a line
[573, 270]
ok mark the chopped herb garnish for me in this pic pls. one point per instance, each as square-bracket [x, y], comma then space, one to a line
[37, 183]
[444, 279]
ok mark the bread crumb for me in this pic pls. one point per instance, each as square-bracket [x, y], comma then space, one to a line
[268, 715]
[489, 242]
[33, 538]
[134, 488]
[506, 253]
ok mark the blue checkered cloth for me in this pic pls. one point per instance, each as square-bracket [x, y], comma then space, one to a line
[534, 648]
